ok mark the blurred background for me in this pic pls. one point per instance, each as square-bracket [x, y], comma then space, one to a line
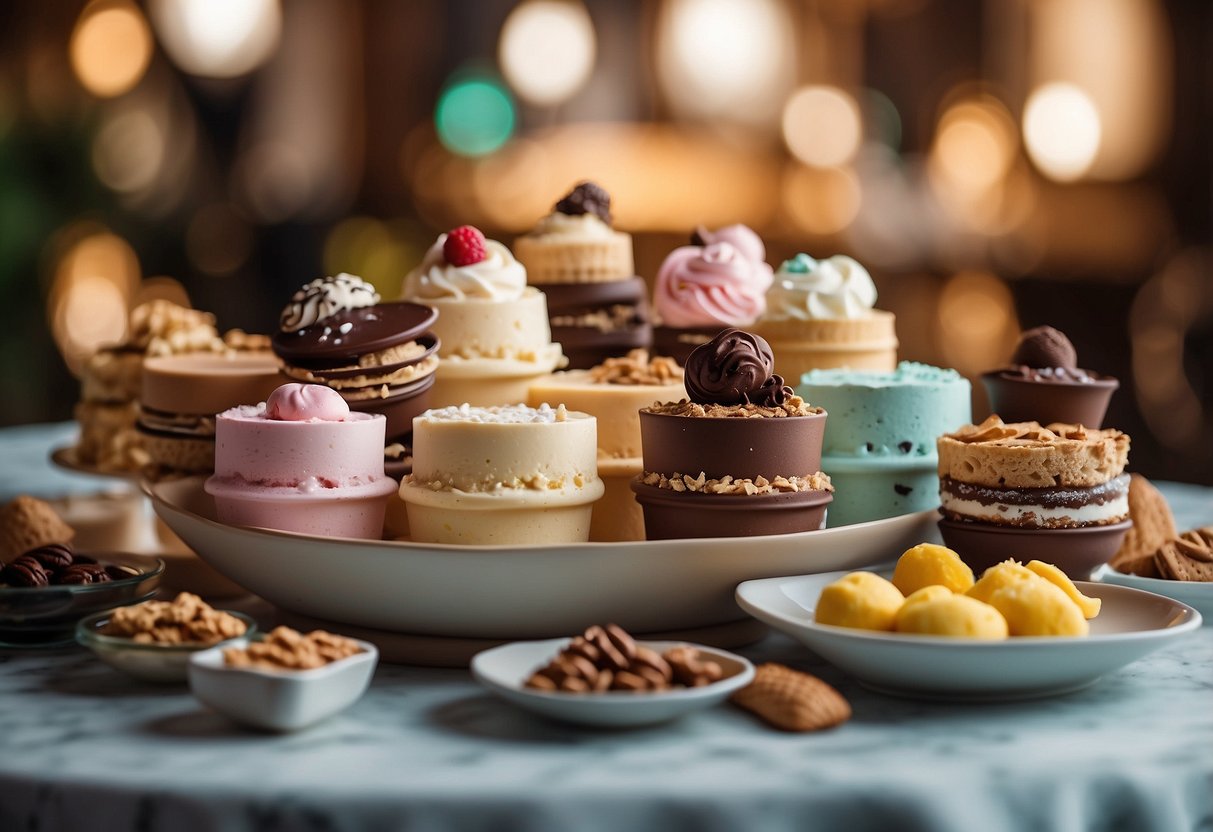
[996, 165]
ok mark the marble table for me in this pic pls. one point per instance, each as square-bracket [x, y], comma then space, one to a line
[82, 747]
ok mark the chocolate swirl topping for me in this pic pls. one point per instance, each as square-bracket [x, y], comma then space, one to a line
[587, 198]
[735, 367]
[1044, 346]
[325, 297]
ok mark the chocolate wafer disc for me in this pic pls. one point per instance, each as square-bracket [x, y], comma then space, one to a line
[337, 341]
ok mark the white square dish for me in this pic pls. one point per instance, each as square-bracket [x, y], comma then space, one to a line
[280, 700]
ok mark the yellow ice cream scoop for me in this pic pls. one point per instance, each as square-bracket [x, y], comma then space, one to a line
[997, 576]
[1038, 608]
[956, 616]
[863, 600]
[1089, 606]
[927, 565]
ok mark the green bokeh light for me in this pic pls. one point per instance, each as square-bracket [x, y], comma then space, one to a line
[475, 116]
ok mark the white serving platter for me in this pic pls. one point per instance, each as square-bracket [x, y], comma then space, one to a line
[1130, 624]
[513, 592]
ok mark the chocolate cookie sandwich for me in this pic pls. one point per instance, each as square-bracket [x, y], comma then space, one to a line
[380, 357]
[1044, 384]
[180, 395]
[741, 456]
[1056, 493]
[596, 304]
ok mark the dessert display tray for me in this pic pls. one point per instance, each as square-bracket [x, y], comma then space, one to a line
[514, 592]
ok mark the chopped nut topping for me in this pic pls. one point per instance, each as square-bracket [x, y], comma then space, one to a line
[187, 619]
[637, 368]
[993, 429]
[287, 649]
[793, 406]
[730, 485]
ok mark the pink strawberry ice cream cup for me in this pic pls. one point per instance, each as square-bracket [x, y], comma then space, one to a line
[303, 462]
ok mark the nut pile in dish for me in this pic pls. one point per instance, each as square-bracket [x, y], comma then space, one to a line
[606, 658]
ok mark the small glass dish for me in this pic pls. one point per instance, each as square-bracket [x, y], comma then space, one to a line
[46, 616]
[280, 700]
[149, 661]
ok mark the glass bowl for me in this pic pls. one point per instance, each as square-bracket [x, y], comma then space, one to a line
[151, 662]
[46, 616]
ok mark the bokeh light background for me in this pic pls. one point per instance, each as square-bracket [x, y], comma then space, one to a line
[996, 164]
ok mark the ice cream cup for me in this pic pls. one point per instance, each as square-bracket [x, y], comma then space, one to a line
[1077, 551]
[875, 488]
[474, 519]
[732, 446]
[1046, 402]
[670, 514]
[356, 512]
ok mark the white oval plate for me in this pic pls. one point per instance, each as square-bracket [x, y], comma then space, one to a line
[505, 669]
[1131, 624]
[513, 592]
[1195, 594]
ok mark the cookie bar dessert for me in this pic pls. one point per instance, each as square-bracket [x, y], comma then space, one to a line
[741, 456]
[1024, 474]
[596, 303]
[1056, 493]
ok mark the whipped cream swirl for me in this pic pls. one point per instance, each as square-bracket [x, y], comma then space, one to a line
[497, 277]
[712, 286]
[808, 289]
[325, 297]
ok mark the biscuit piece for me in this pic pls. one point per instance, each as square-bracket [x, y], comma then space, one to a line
[791, 700]
[1188, 557]
[1153, 525]
[27, 523]
[1028, 455]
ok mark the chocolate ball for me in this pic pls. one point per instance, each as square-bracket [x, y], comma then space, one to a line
[1044, 346]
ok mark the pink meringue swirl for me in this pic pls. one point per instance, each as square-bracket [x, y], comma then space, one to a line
[743, 238]
[715, 285]
[306, 402]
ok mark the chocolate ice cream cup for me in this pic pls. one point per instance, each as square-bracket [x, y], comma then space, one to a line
[1078, 552]
[678, 343]
[1027, 400]
[400, 408]
[670, 514]
[743, 448]
[587, 345]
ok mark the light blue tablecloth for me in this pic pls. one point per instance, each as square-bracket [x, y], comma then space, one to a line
[82, 747]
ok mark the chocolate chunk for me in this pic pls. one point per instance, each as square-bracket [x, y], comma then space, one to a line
[1045, 346]
[52, 555]
[870, 447]
[25, 572]
[586, 198]
[903, 490]
[906, 446]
